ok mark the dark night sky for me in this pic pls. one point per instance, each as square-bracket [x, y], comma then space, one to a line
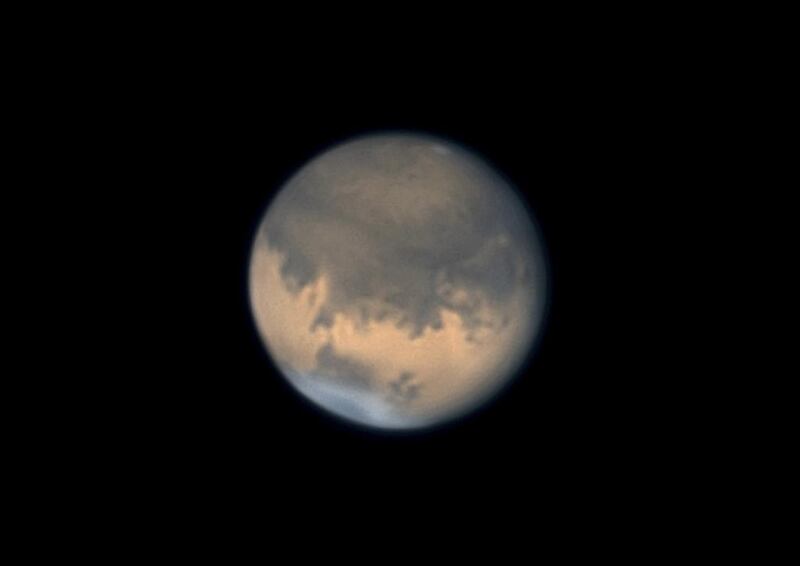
[169, 139]
[587, 406]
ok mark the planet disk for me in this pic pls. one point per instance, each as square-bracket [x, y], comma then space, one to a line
[397, 281]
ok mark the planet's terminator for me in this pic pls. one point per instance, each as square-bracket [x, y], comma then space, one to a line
[397, 281]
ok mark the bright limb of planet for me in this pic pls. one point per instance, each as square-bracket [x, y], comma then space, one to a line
[397, 281]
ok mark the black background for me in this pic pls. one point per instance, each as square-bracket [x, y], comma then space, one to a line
[198, 404]
[169, 134]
